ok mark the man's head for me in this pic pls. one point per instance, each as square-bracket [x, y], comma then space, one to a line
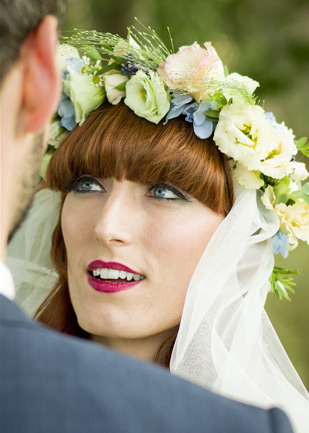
[18, 18]
[29, 91]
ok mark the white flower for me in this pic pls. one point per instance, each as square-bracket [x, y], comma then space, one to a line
[244, 81]
[147, 97]
[57, 134]
[277, 162]
[246, 178]
[111, 81]
[269, 198]
[84, 94]
[63, 52]
[294, 219]
[243, 134]
[298, 171]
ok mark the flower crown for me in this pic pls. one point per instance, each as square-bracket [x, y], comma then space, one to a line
[157, 83]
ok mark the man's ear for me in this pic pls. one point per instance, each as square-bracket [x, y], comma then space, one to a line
[41, 80]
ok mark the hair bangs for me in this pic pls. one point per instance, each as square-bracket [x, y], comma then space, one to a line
[114, 142]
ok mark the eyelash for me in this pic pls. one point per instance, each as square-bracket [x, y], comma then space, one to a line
[74, 184]
[179, 194]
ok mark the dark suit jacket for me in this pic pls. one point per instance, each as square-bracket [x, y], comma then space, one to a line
[57, 384]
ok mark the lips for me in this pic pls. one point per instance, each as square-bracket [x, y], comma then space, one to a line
[111, 265]
[112, 277]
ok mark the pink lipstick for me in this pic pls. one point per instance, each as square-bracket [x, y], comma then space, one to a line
[112, 277]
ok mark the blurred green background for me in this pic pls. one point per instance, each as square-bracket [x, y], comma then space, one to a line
[268, 41]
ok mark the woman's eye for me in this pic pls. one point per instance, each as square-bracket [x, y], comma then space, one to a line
[166, 192]
[86, 184]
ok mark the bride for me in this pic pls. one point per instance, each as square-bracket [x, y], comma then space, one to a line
[164, 231]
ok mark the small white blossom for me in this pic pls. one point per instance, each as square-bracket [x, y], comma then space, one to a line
[86, 60]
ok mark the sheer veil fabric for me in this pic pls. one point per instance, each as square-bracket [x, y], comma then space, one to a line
[225, 342]
[29, 251]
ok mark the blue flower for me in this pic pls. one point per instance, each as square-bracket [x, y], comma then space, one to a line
[179, 103]
[75, 63]
[203, 127]
[272, 120]
[270, 116]
[129, 69]
[189, 111]
[182, 104]
[66, 109]
[281, 243]
[67, 113]
[134, 64]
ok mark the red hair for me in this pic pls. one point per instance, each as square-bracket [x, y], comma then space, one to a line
[114, 142]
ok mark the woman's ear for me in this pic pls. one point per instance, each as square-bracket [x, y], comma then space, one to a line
[41, 79]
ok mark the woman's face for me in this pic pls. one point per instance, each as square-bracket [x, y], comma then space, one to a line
[115, 229]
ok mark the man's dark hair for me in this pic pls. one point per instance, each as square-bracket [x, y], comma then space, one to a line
[18, 18]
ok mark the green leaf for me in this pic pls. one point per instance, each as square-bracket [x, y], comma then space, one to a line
[108, 68]
[283, 198]
[118, 59]
[305, 152]
[92, 52]
[290, 202]
[301, 142]
[282, 189]
[121, 86]
[303, 146]
[212, 114]
[281, 282]
[306, 198]
[105, 47]
[303, 194]
[305, 188]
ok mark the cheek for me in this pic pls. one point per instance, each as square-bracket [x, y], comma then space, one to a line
[181, 239]
[178, 245]
[75, 223]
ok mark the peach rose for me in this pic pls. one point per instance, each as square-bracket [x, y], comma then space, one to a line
[190, 68]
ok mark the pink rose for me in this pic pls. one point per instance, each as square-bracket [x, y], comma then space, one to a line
[191, 68]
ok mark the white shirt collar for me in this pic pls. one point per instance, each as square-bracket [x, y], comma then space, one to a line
[7, 287]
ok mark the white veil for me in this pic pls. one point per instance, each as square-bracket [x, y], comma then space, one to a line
[225, 342]
[29, 251]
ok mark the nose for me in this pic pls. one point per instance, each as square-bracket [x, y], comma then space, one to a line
[116, 220]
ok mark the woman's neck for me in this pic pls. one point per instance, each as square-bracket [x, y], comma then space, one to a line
[142, 348]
